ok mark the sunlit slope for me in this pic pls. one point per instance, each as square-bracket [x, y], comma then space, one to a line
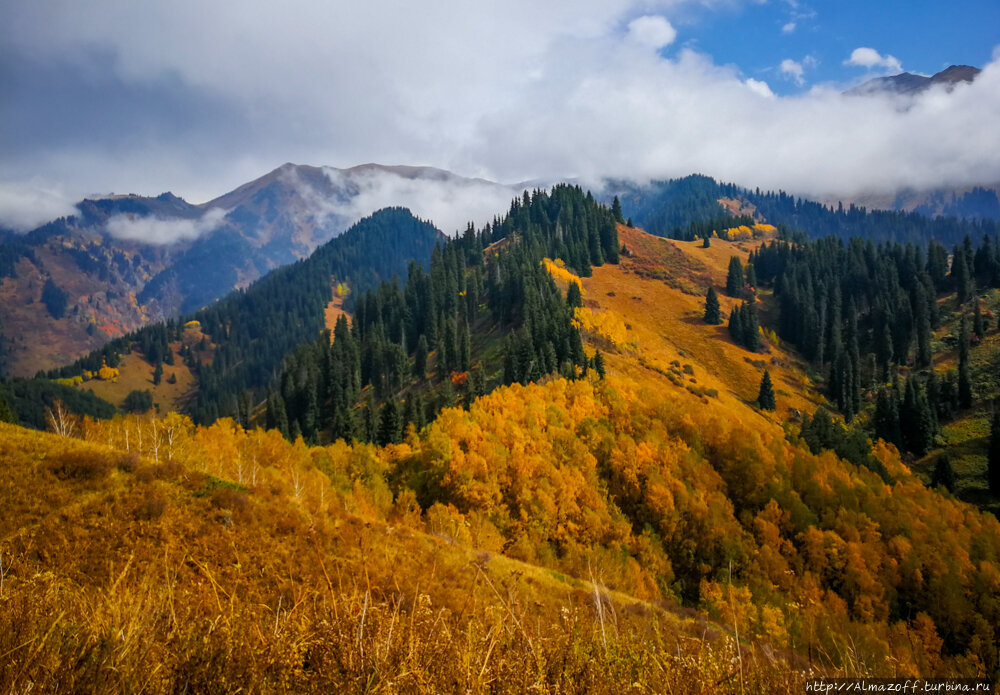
[164, 573]
[658, 291]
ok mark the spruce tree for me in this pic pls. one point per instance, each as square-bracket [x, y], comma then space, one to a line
[158, 374]
[915, 420]
[964, 378]
[420, 358]
[390, 429]
[7, 413]
[885, 421]
[616, 210]
[713, 313]
[765, 397]
[993, 468]
[599, 364]
[960, 276]
[574, 298]
[706, 242]
[944, 473]
[978, 324]
[734, 278]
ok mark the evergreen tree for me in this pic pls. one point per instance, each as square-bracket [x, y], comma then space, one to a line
[978, 323]
[960, 276]
[616, 210]
[275, 416]
[993, 467]
[885, 420]
[964, 378]
[599, 364]
[734, 278]
[420, 358]
[915, 419]
[713, 313]
[158, 374]
[765, 397]
[390, 429]
[944, 473]
[706, 242]
[574, 298]
[7, 413]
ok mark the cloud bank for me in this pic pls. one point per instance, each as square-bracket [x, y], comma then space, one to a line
[522, 91]
[152, 230]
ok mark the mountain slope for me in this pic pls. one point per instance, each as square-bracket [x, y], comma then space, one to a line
[909, 84]
[238, 343]
[126, 260]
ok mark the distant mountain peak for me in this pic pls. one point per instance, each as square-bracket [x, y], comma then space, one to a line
[907, 83]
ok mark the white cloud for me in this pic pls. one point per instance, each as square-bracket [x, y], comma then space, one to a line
[449, 203]
[788, 28]
[568, 89]
[152, 230]
[792, 70]
[870, 58]
[759, 87]
[25, 205]
[652, 31]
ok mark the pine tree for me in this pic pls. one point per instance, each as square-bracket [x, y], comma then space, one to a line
[765, 397]
[944, 473]
[960, 276]
[599, 364]
[885, 420]
[964, 379]
[915, 419]
[158, 374]
[713, 313]
[275, 416]
[574, 298]
[706, 242]
[390, 428]
[420, 358]
[734, 278]
[7, 413]
[616, 210]
[978, 324]
[993, 468]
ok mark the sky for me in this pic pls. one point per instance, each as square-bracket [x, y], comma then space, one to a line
[200, 96]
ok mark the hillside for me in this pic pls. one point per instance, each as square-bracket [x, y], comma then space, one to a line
[240, 341]
[125, 261]
[579, 535]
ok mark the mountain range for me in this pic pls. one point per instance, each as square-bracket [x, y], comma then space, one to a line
[127, 260]
[907, 83]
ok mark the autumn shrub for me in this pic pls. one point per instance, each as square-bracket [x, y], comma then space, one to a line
[152, 506]
[81, 464]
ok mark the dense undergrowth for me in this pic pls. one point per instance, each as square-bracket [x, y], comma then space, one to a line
[544, 539]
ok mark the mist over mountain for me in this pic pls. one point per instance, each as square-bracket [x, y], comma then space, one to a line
[125, 260]
[907, 83]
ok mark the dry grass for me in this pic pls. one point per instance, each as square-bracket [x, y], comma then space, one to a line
[666, 323]
[333, 311]
[135, 579]
[135, 373]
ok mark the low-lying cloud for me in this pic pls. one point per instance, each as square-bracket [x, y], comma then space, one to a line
[511, 92]
[28, 204]
[154, 230]
[449, 202]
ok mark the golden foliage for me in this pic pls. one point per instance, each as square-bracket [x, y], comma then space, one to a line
[557, 269]
[606, 327]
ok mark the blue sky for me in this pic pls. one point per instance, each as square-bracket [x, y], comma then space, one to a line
[200, 96]
[925, 37]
